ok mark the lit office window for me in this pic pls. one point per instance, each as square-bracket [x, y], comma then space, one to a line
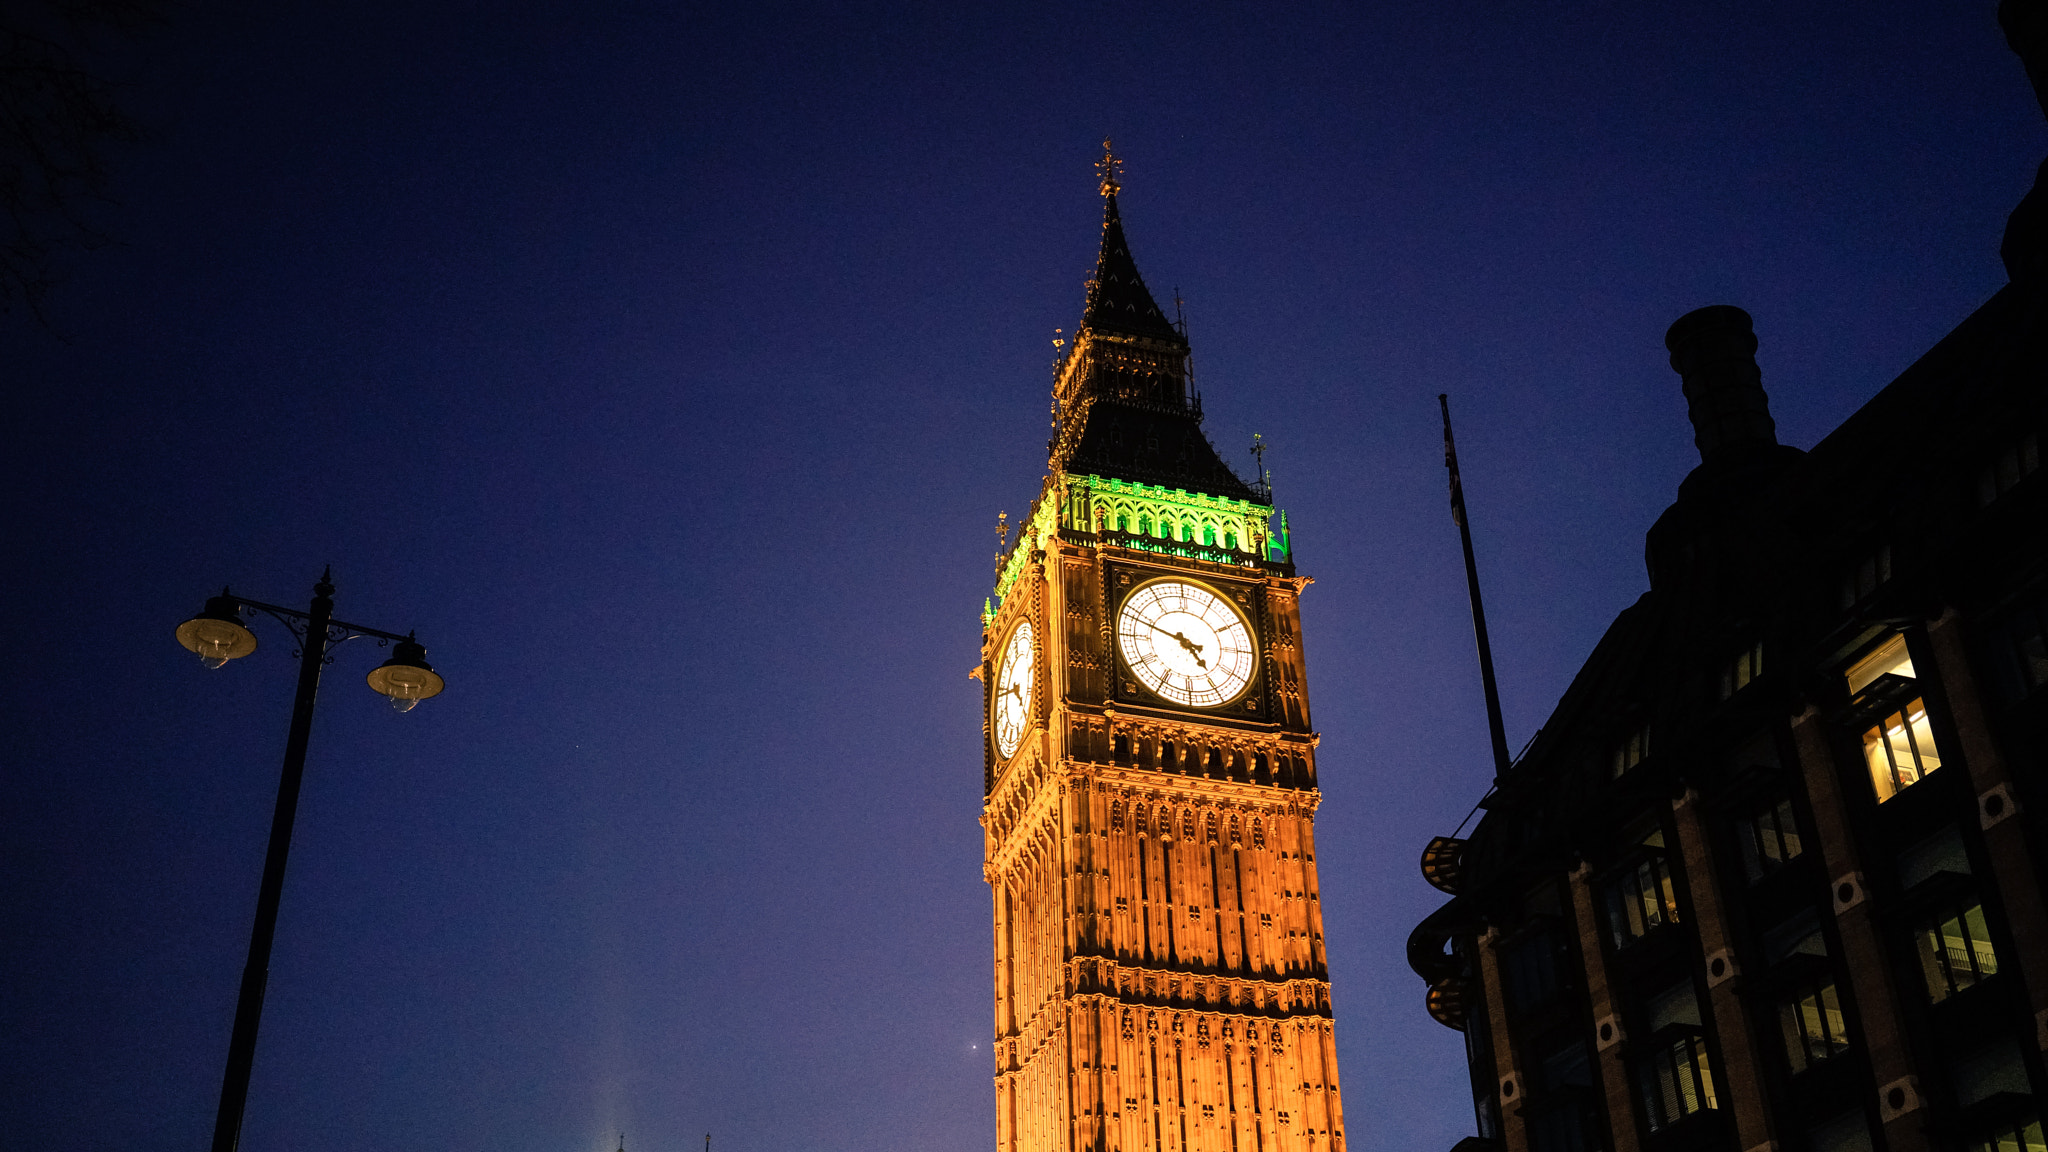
[1887, 659]
[1900, 750]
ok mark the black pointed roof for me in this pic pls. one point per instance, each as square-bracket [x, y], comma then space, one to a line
[1152, 445]
[1138, 422]
[1117, 298]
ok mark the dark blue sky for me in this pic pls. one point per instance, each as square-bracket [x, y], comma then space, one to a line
[666, 369]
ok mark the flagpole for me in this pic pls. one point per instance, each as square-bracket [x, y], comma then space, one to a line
[1493, 721]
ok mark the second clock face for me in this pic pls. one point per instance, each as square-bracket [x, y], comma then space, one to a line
[1186, 643]
[1013, 690]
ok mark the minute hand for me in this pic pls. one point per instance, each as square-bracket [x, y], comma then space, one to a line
[1193, 648]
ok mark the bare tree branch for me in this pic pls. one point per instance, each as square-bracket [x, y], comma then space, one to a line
[58, 114]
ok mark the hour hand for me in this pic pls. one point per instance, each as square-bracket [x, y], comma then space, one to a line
[1193, 648]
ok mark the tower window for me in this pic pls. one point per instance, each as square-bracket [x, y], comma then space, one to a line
[1116, 815]
[1955, 951]
[1123, 523]
[1230, 540]
[1144, 525]
[1209, 534]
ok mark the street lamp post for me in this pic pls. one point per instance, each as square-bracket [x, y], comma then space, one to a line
[218, 635]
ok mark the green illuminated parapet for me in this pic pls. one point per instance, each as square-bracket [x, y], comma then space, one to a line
[1127, 514]
[1129, 464]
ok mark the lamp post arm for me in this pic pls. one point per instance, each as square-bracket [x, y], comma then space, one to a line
[234, 1091]
[300, 622]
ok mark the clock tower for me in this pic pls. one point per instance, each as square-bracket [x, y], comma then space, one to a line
[1150, 777]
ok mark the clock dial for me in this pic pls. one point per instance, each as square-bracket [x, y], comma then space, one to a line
[1186, 643]
[1013, 690]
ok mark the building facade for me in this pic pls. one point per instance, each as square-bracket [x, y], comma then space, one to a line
[1771, 876]
[1150, 777]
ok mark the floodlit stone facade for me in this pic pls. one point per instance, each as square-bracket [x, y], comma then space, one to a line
[1150, 778]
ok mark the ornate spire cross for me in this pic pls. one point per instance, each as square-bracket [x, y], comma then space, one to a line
[1110, 169]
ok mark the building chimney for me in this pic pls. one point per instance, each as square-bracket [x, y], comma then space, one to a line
[1714, 351]
[2025, 250]
[2026, 33]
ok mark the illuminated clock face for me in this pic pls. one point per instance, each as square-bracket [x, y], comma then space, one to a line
[1013, 690]
[1186, 643]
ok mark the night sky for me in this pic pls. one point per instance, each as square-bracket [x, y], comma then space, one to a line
[666, 369]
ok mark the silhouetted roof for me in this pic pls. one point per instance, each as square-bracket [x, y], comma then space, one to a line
[1117, 299]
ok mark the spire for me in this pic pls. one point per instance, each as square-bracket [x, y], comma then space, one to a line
[1122, 404]
[1117, 299]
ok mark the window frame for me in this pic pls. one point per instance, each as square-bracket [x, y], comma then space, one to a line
[1631, 750]
[1936, 955]
[1794, 1024]
[1888, 696]
[1614, 901]
[2025, 455]
[1745, 665]
[1748, 826]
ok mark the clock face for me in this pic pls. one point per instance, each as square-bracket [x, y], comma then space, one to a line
[1013, 690]
[1186, 643]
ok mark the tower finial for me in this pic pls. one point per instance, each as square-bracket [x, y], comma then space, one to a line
[1109, 168]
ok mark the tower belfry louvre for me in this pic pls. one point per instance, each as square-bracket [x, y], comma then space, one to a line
[1150, 777]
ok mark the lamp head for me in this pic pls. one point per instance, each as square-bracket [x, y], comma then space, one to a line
[217, 635]
[406, 678]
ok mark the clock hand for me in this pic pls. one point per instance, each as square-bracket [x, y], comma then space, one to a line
[1193, 648]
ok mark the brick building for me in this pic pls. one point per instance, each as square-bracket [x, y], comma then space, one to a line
[1771, 875]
